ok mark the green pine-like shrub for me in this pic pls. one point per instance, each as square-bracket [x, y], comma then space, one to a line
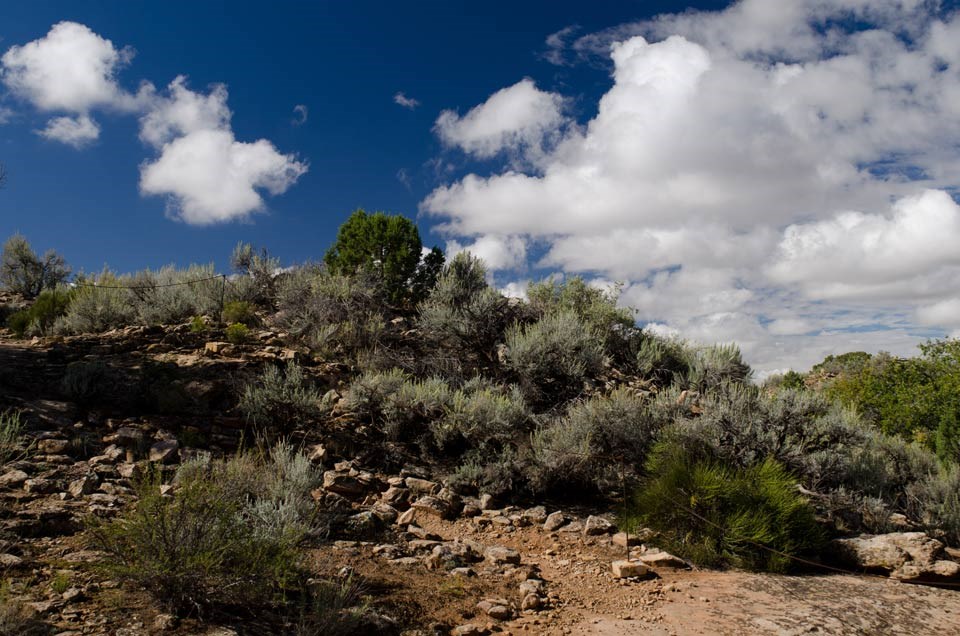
[717, 514]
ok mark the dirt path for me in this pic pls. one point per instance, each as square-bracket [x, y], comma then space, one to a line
[588, 600]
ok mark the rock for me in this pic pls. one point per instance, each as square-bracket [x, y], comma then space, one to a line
[10, 561]
[626, 569]
[902, 555]
[72, 595]
[422, 486]
[84, 486]
[129, 470]
[164, 622]
[319, 454]
[470, 510]
[387, 514]
[532, 586]
[554, 521]
[217, 348]
[497, 608]
[487, 502]
[165, 452]
[500, 555]
[53, 446]
[537, 514]
[432, 506]
[407, 517]
[624, 540]
[13, 479]
[363, 523]
[469, 629]
[597, 526]
[341, 484]
[396, 496]
[662, 560]
[573, 527]
[40, 486]
[530, 602]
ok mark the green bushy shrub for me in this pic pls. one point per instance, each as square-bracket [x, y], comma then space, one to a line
[85, 382]
[464, 316]
[11, 436]
[552, 357]
[663, 360]
[936, 502]
[41, 316]
[94, 309]
[239, 312]
[195, 550]
[256, 280]
[198, 325]
[237, 333]
[596, 439]
[229, 534]
[333, 314]
[481, 418]
[24, 272]
[715, 514]
[713, 366]
[280, 399]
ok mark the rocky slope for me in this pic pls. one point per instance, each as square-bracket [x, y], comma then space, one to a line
[433, 561]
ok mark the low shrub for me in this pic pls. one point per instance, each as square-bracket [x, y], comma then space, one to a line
[195, 550]
[663, 360]
[597, 439]
[239, 311]
[85, 382]
[198, 325]
[101, 302]
[464, 317]
[481, 418]
[237, 333]
[332, 314]
[11, 436]
[332, 608]
[553, 357]
[937, 502]
[228, 536]
[40, 317]
[713, 366]
[281, 399]
[716, 514]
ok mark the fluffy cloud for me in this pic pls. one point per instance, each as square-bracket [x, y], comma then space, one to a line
[209, 176]
[739, 172]
[73, 131]
[497, 252]
[407, 102]
[515, 118]
[70, 69]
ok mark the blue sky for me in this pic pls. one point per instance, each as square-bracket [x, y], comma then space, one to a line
[782, 175]
[343, 60]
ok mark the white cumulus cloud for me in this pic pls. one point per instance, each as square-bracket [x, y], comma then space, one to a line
[206, 173]
[407, 102]
[778, 174]
[518, 117]
[73, 131]
[209, 176]
[497, 252]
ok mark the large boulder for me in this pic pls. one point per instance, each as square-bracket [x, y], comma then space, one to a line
[910, 556]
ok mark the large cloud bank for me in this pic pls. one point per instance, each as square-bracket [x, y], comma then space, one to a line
[768, 174]
[206, 174]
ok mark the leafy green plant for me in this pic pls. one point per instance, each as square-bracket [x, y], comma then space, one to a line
[11, 436]
[553, 357]
[41, 316]
[281, 399]
[239, 312]
[198, 325]
[715, 514]
[238, 333]
[597, 439]
[229, 534]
